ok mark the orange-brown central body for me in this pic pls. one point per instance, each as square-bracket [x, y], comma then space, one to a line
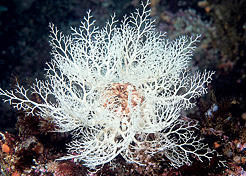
[117, 96]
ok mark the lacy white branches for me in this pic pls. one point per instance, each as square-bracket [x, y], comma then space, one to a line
[119, 90]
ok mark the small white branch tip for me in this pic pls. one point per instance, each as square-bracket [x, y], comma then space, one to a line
[113, 87]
